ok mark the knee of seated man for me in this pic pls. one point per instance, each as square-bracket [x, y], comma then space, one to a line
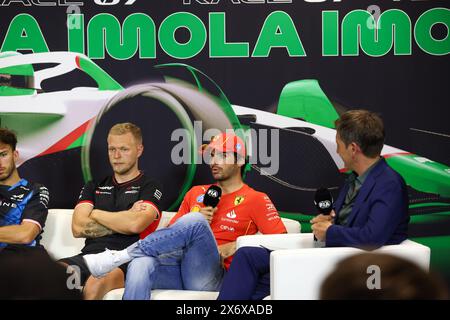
[94, 288]
[194, 218]
[250, 252]
[141, 267]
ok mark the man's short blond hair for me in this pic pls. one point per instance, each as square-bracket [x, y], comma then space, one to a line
[127, 127]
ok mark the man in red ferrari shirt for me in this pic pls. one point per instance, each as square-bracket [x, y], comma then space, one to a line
[194, 252]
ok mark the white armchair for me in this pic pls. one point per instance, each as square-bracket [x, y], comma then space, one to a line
[57, 237]
[59, 242]
[297, 272]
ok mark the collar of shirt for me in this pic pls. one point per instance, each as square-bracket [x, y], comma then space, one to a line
[364, 176]
[359, 180]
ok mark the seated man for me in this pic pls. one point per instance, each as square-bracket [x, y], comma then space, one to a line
[112, 213]
[371, 210]
[189, 253]
[23, 205]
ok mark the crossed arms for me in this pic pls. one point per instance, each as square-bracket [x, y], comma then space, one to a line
[23, 233]
[88, 222]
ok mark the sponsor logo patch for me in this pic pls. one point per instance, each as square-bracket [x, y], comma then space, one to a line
[200, 198]
[106, 188]
[103, 192]
[17, 197]
[227, 228]
[238, 200]
[231, 214]
[158, 194]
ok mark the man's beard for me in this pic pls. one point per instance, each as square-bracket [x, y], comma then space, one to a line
[223, 176]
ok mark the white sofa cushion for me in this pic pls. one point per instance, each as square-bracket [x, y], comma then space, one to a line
[298, 270]
[57, 237]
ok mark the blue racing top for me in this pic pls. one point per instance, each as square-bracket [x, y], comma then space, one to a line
[23, 201]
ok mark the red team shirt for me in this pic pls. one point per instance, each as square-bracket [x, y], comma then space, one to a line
[243, 212]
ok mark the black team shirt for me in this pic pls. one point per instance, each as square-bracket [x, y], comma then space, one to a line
[109, 195]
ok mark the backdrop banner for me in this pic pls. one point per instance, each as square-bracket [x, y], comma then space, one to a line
[278, 72]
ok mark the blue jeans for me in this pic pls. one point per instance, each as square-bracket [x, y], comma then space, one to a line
[182, 256]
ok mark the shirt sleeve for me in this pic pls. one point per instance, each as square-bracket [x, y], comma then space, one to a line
[152, 193]
[87, 194]
[36, 210]
[265, 215]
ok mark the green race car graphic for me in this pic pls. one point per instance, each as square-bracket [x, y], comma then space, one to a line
[62, 137]
[65, 116]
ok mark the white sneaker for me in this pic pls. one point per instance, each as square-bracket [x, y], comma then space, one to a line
[104, 262]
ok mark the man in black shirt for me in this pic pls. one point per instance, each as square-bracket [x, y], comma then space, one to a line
[112, 213]
[23, 205]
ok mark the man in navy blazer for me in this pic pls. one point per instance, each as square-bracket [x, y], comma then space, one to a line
[371, 210]
[379, 216]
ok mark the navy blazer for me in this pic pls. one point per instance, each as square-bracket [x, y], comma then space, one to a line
[379, 216]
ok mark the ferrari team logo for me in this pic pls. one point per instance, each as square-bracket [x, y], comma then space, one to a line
[238, 200]
[195, 208]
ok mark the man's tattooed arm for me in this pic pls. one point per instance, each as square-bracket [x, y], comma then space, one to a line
[93, 229]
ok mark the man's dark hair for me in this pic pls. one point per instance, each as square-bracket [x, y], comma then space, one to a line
[400, 279]
[364, 128]
[8, 137]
